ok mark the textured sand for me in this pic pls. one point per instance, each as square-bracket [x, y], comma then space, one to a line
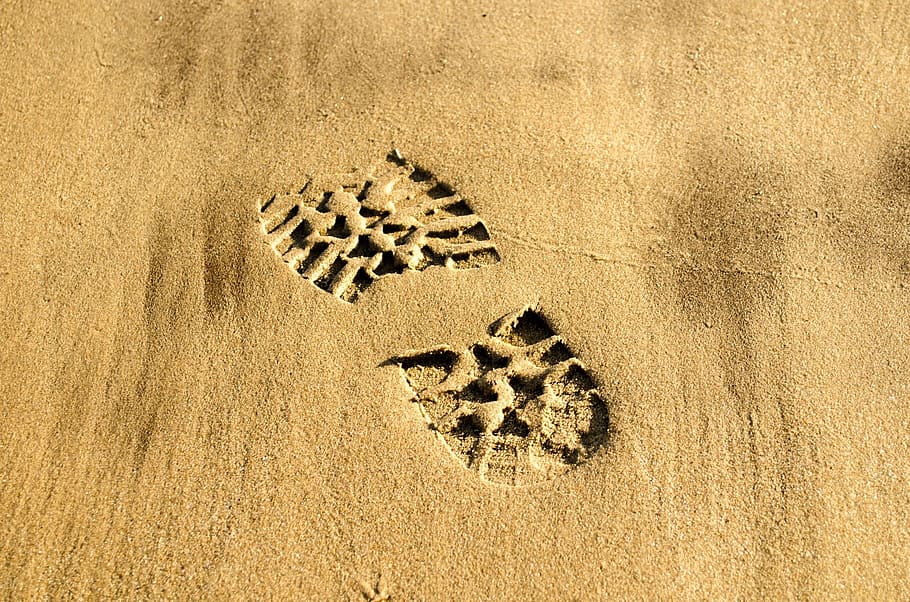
[709, 200]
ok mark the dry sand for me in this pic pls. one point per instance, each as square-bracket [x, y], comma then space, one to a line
[709, 200]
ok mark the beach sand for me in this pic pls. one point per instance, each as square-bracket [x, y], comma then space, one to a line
[708, 202]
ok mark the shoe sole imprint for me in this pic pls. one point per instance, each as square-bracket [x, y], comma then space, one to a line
[343, 232]
[517, 407]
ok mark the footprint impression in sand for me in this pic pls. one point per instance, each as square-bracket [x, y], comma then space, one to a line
[342, 232]
[517, 407]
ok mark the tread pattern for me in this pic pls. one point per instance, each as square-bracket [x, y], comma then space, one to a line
[517, 407]
[343, 232]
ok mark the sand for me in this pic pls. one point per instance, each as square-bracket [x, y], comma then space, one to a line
[707, 202]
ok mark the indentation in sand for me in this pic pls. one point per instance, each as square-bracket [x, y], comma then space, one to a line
[342, 232]
[517, 407]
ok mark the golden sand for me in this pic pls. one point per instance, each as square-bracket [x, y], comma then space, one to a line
[707, 203]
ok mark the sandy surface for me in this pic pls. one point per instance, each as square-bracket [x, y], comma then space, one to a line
[708, 200]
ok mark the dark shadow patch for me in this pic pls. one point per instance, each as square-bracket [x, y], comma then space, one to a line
[315, 252]
[444, 234]
[598, 429]
[339, 228]
[420, 175]
[291, 214]
[387, 265]
[528, 329]
[364, 191]
[364, 248]
[360, 283]
[894, 174]
[477, 232]
[486, 359]
[371, 213]
[466, 428]
[575, 382]
[729, 233]
[526, 389]
[476, 394]
[224, 257]
[429, 258]
[300, 233]
[458, 209]
[323, 206]
[135, 414]
[396, 158]
[567, 455]
[559, 352]
[325, 279]
[393, 228]
[438, 358]
[265, 206]
[511, 425]
[440, 191]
